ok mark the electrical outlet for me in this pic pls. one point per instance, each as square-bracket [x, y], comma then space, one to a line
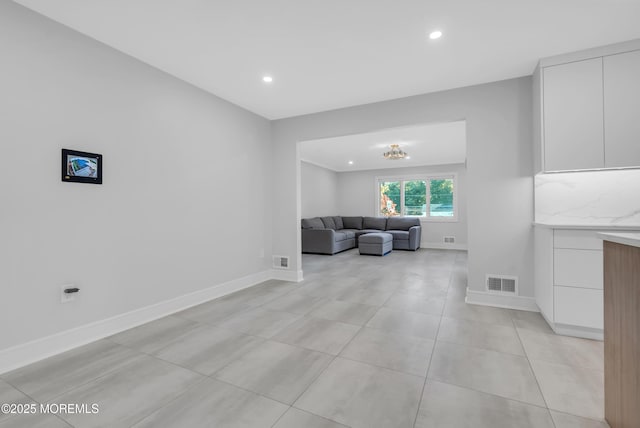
[67, 297]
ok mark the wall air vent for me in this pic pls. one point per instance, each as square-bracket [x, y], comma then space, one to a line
[281, 262]
[502, 284]
[449, 239]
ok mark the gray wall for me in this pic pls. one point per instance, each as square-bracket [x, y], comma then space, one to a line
[185, 202]
[357, 195]
[499, 168]
[319, 191]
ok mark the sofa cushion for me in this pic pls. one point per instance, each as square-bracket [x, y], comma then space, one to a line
[338, 221]
[350, 233]
[352, 222]
[328, 222]
[312, 223]
[378, 223]
[402, 223]
[341, 236]
[399, 235]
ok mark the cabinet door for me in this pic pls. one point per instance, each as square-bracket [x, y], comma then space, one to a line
[622, 109]
[573, 117]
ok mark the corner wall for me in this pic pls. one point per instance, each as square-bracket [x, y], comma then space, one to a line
[185, 203]
[319, 191]
[499, 168]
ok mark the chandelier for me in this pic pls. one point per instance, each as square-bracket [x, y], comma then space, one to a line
[395, 153]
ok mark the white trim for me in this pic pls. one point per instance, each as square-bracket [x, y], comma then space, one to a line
[483, 298]
[443, 246]
[577, 331]
[30, 352]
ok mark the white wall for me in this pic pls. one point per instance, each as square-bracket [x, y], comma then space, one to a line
[499, 168]
[319, 188]
[587, 198]
[357, 195]
[185, 202]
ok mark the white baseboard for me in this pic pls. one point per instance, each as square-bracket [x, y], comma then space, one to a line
[576, 331]
[30, 352]
[501, 301]
[286, 275]
[442, 246]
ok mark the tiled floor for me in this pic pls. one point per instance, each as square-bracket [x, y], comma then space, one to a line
[363, 342]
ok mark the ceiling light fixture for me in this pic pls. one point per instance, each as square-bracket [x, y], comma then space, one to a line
[435, 35]
[350, 162]
[395, 153]
[267, 79]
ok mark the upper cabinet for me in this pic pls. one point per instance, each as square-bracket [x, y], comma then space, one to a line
[572, 108]
[588, 109]
[622, 110]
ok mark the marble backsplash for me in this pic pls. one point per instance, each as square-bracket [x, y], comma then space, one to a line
[589, 198]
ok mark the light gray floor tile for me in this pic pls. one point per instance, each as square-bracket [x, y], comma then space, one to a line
[260, 322]
[450, 406]
[558, 349]
[296, 303]
[365, 296]
[318, 334]
[563, 420]
[461, 310]
[295, 418]
[207, 349]
[327, 288]
[155, 335]
[481, 335]
[261, 293]
[350, 313]
[570, 389]
[393, 351]
[506, 375]
[416, 303]
[10, 395]
[212, 403]
[276, 370]
[525, 320]
[214, 312]
[363, 396]
[129, 394]
[53, 376]
[406, 323]
[34, 420]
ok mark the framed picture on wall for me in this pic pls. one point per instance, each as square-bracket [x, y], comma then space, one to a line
[81, 167]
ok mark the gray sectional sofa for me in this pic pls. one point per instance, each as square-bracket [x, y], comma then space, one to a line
[331, 235]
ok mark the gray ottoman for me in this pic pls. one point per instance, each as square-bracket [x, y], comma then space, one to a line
[375, 244]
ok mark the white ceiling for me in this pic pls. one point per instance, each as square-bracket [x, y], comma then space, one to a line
[336, 53]
[433, 144]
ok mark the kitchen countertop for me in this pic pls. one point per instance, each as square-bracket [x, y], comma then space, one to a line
[632, 239]
[587, 226]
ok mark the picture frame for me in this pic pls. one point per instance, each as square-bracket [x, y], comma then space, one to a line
[81, 167]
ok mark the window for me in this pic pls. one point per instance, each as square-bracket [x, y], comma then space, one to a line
[431, 198]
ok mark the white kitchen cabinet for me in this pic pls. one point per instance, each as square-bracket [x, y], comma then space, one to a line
[622, 109]
[586, 108]
[578, 307]
[572, 114]
[577, 268]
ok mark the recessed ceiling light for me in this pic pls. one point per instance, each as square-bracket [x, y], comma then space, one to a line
[267, 79]
[350, 162]
[435, 35]
[408, 157]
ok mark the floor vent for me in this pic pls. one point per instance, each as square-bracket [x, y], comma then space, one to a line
[281, 262]
[449, 239]
[502, 284]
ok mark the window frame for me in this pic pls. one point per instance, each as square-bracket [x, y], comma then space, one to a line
[423, 177]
